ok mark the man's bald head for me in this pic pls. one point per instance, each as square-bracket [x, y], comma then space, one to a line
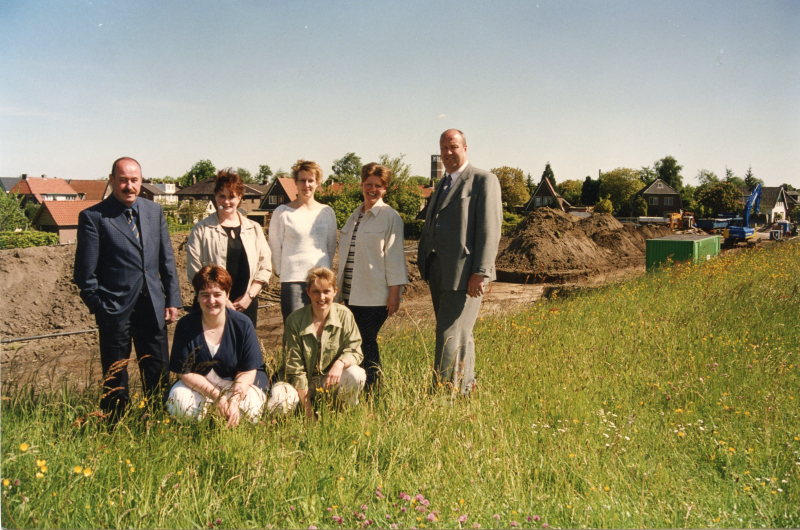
[449, 133]
[118, 161]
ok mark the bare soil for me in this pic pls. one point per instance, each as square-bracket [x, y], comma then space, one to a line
[38, 296]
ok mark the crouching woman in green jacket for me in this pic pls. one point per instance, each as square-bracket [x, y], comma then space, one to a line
[322, 348]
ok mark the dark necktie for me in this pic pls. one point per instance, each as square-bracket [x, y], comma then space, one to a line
[132, 222]
[448, 181]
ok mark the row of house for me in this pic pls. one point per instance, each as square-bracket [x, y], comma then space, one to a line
[62, 200]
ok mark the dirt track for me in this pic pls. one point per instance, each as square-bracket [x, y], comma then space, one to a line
[39, 297]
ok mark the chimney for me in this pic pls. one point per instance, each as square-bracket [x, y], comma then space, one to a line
[44, 176]
[24, 176]
[437, 169]
[194, 179]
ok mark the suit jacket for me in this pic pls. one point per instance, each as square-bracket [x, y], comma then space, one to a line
[111, 267]
[467, 227]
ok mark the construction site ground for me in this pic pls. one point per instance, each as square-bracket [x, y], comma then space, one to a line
[549, 251]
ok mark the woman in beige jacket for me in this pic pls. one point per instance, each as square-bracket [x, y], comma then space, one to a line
[372, 264]
[233, 241]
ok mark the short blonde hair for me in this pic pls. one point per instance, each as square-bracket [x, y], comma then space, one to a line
[309, 167]
[323, 274]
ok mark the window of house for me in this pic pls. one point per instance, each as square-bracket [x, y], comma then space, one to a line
[667, 201]
[546, 201]
[652, 201]
[659, 185]
[537, 201]
[273, 199]
[280, 199]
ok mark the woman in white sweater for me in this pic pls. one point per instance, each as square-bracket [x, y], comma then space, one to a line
[302, 235]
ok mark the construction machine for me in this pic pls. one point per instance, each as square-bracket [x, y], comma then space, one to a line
[739, 229]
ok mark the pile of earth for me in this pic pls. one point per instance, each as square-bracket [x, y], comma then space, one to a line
[38, 296]
[550, 245]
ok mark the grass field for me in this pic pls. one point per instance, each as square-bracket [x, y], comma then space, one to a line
[668, 401]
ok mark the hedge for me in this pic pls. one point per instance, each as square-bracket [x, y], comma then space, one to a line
[28, 238]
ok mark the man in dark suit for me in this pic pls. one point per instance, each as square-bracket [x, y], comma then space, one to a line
[456, 256]
[125, 269]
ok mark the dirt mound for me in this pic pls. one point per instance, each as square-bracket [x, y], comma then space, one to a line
[550, 244]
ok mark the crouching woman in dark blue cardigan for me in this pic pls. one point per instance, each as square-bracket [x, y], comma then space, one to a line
[216, 353]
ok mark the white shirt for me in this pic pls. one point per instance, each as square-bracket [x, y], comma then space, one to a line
[455, 174]
[301, 239]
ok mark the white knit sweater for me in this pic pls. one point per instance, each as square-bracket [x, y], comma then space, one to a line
[301, 239]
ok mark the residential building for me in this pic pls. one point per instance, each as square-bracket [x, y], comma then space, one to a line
[546, 195]
[773, 205]
[158, 193]
[281, 191]
[91, 190]
[43, 189]
[6, 183]
[61, 217]
[661, 198]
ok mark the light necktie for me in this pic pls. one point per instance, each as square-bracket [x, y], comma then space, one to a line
[132, 222]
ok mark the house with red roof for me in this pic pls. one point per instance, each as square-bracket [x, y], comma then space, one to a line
[61, 217]
[92, 190]
[281, 191]
[43, 189]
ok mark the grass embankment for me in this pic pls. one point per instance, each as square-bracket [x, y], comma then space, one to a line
[669, 401]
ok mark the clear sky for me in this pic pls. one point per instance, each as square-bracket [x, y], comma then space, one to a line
[586, 85]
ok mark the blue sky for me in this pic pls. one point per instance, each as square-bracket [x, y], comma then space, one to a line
[585, 85]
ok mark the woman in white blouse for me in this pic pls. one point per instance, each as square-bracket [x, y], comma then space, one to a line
[302, 235]
[372, 265]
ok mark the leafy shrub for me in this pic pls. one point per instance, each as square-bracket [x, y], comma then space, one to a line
[28, 238]
[412, 228]
[604, 206]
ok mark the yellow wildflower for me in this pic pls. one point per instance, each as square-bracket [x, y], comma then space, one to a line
[78, 470]
[87, 472]
[24, 447]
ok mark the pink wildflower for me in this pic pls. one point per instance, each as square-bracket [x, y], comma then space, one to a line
[431, 517]
[462, 519]
[496, 517]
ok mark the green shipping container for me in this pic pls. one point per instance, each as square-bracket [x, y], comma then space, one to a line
[694, 248]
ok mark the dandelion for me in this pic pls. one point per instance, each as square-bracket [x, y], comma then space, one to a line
[606, 488]
[39, 475]
[43, 469]
[6, 482]
[40, 463]
[87, 472]
[24, 447]
[572, 455]
[366, 433]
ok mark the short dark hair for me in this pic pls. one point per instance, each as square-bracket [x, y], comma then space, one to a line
[228, 177]
[373, 169]
[121, 159]
[211, 274]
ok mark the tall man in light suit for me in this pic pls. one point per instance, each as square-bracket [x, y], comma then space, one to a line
[456, 256]
[125, 269]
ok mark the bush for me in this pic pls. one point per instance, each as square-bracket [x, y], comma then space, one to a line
[412, 228]
[26, 239]
[604, 206]
[510, 221]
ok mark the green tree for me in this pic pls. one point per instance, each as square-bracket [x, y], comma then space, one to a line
[688, 200]
[343, 202]
[571, 190]
[12, 216]
[191, 211]
[400, 170]
[620, 185]
[788, 187]
[246, 176]
[706, 177]
[164, 180]
[420, 181]
[264, 174]
[750, 180]
[513, 190]
[549, 175]
[530, 184]
[199, 172]
[733, 179]
[720, 197]
[604, 205]
[590, 191]
[31, 209]
[638, 206]
[647, 175]
[669, 171]
[346, 170]
[406, 199]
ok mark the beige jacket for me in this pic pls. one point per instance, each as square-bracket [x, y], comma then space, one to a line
[379, 258]
[208, 244]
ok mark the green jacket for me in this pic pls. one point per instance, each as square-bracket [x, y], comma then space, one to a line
[340, 340]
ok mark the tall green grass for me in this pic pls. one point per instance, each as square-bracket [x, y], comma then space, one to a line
[668, 401]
